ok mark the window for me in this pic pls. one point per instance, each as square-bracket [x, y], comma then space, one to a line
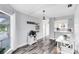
[3, 27]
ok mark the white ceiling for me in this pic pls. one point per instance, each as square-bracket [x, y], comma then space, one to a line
[52, 10]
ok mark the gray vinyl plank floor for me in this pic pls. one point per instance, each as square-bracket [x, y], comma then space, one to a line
[40, 47]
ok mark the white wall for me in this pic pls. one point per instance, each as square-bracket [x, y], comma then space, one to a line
[45, 24]
[51, 28]
[76, 29]
[22, 28]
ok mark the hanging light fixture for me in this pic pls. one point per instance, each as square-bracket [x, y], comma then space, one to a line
[44, 18]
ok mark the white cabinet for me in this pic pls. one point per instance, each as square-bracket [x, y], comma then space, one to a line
[65, 50]
[66, 46]
[31, 40]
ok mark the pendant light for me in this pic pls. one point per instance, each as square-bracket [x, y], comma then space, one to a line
[44, 18]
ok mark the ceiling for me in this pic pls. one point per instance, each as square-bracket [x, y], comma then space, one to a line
[52, 10]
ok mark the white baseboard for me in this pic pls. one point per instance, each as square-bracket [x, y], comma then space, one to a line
[11, 50]
[22, 45]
